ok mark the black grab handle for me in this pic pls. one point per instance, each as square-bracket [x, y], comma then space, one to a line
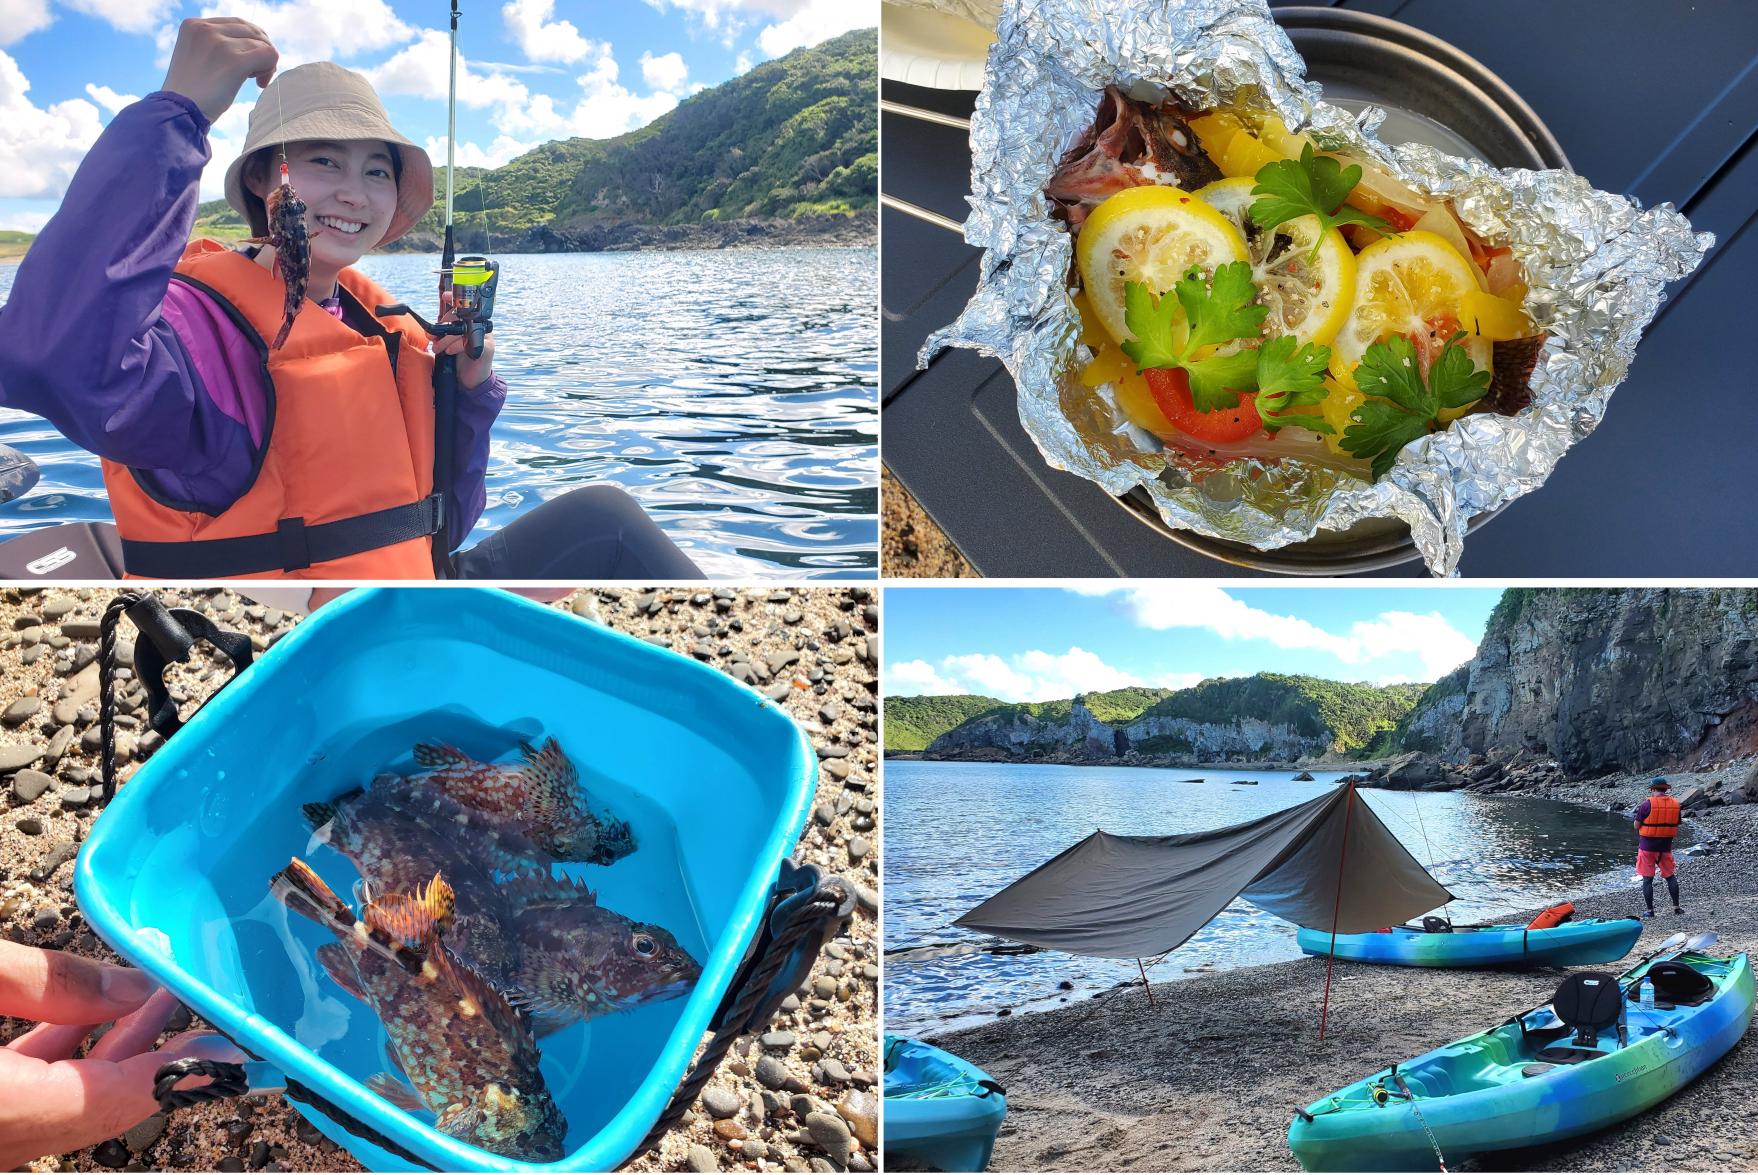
[227, 1080]
[169, 635]
[807, 908]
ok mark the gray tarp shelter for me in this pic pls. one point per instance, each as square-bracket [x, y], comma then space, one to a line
[1134, 897]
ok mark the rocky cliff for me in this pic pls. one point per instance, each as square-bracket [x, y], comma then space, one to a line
[1601, 679]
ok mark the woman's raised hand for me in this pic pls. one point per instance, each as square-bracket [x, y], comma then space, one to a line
[212, 58]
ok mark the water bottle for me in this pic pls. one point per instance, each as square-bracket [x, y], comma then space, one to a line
[1647, 994]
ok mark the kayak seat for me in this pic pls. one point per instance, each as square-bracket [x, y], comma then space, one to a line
[1587, 1002]
[1678, 985]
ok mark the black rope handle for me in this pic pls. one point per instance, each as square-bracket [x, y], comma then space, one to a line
[226, 1080]
[812, 913]
[107, 687]
[169, 635]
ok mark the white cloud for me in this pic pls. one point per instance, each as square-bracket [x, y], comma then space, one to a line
[786, 24]
[109, 99]
[130, 16]
[315, 30]
[423, 70]
[918, 677]
[40, 148]
[226, 140]
[1429, 637]
[813, 22]
[665, 72]
[24, 221]
[20, 18]
[743, 65]
[503, 150]
[542, 39]
[1035, 675]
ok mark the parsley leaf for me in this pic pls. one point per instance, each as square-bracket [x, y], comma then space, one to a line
[1313, 185]
[1291, 376]
[1400, 408]
[1218, 310]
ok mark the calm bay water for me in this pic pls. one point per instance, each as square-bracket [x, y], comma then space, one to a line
[956, 833]
[734, 394]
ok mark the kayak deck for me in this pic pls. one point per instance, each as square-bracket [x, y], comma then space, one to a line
[1510, 1086]
[1592, 940]
[939, 1108]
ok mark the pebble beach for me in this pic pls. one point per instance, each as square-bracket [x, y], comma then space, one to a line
[1208, 1076]
[801, 1096]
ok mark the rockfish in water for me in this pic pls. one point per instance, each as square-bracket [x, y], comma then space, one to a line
[540, 796]
[578, 960]
[397, 835]
[470, 1056]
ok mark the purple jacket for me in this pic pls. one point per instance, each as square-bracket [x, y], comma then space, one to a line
[129, 365]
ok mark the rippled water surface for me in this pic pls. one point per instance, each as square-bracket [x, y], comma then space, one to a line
[956, 833]
[733, 393]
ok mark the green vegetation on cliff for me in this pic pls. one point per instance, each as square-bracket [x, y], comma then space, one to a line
[912, 723]
[1119, 707]
[1401, 737]
[790, 137]
[1351, 712]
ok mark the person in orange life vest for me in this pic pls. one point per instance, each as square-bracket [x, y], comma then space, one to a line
[1657, 822]
[223, 455]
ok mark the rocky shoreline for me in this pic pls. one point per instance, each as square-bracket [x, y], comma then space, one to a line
[1145, 762]
[761, 232]
[1208, 1077]
[801, 1097]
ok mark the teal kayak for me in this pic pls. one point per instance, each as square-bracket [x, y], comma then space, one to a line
[939, 1109]
[1592, 1057]
[1573, 944]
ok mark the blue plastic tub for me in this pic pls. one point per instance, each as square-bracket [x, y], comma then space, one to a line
[715, 779]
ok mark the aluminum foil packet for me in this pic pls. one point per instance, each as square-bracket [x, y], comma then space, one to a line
[1595, 263]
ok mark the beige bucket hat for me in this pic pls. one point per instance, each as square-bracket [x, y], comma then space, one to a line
[324, 101]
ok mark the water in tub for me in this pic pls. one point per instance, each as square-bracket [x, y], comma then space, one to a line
[598, 954]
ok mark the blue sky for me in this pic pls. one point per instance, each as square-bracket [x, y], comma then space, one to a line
[1035, 644]
[531, 70]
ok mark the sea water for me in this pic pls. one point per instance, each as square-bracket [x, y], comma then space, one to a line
[957, 833]
[734, 393]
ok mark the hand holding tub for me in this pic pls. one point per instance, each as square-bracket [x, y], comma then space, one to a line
[51, 1103]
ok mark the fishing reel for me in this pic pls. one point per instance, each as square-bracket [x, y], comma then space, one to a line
[473, 284]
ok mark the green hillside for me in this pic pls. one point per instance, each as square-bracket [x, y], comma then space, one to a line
[1352, 711]
[1401, 738]
[914, 722]
[1121, 706]
[796, 135]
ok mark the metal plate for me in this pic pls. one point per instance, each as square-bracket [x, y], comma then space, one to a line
[1432, 93]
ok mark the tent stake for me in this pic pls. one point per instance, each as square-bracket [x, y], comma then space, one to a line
[1336, 911]
[1144, 982]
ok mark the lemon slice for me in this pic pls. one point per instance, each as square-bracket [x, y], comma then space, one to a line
[1152, 235]
[1411, 284]
[1307, 299]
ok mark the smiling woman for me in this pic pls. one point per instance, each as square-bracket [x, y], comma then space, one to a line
[264, 411]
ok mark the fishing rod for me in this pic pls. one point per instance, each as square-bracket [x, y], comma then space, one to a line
[466, 304]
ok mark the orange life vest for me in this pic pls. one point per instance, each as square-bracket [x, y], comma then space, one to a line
[1663, 818]
[345, 488]
[1555, 916]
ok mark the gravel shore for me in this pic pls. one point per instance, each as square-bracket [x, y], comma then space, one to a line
[1208, 1077]
[801, 1098]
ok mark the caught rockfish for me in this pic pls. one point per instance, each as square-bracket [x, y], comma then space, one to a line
[578, 960]
[470, 1056]
[541, 796]
[397, 835]
[292, 244]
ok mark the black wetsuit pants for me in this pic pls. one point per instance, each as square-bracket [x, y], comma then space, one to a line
[594, 532]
